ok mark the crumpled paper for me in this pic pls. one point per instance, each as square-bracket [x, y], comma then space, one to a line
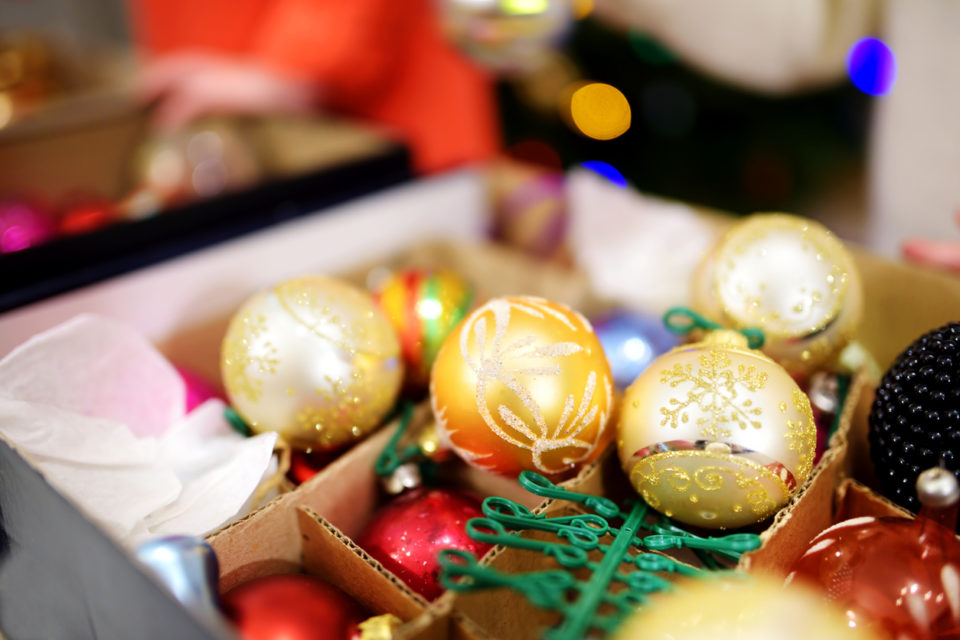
[639, 251]
[100, 413]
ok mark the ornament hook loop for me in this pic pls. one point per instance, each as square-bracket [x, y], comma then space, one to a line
[681, 321]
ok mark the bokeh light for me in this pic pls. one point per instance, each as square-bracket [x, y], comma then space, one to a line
[872, 66]
[606, 170]
[600, 111]
[524, 7]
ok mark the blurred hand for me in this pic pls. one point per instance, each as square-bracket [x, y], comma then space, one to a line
[942, 254]
[188, 86]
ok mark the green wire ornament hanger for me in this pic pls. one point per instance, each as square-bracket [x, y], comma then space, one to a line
[603, 542]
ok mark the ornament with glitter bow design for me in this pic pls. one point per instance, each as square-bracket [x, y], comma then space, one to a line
[523, 383]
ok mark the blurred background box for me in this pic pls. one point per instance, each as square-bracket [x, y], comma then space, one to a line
[87, 144]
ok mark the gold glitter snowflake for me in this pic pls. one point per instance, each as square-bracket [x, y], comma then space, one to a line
[715, 393]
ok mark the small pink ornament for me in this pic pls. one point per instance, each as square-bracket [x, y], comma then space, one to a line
[198, 389]
[23, 225]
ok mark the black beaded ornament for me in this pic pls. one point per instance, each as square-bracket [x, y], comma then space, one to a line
[915, 418]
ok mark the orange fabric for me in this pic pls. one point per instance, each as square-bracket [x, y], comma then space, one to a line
[382, 60]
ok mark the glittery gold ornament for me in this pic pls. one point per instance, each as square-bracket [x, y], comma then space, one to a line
[313, 359]
[790, 277]
[423, 305]
[523, 384]
[741, 607]
[715, 434]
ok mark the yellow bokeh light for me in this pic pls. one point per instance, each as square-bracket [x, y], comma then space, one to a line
[600, 111]
[525, 7]
[582, 8]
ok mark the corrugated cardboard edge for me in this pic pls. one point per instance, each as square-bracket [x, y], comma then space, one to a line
[811, 510]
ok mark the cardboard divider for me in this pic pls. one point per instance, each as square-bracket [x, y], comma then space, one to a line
[854, 499]
[331, 556]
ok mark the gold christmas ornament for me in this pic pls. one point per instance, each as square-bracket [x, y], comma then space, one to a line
[313, 359]
[755, 607]
[790, 277]
[716, 434]
[523, 384]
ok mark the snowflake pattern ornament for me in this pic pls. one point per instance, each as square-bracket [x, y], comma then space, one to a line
[523, 383]
[313, 359]
[716, 434]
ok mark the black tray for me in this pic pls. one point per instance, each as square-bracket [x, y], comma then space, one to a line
[74, 261]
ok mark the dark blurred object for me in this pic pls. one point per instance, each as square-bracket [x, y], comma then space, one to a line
[696, 139]
[304, 465]
[307, 164]
[23, 224]
[915, 417]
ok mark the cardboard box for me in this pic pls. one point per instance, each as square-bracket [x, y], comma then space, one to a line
[307, 164]
[63, 564]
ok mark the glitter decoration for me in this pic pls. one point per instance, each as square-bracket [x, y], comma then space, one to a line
[789, 277]
[523, 383]
[715, 434]
[313, 359]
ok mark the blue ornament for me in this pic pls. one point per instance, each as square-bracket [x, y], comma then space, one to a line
[632, 341]
[188, 567]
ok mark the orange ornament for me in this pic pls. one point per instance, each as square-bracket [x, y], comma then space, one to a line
[523, 384]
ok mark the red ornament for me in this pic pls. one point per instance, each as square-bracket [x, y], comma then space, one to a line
[86, 217]
[896, 576]
[407, 533]
[292, 607]
[304, 465]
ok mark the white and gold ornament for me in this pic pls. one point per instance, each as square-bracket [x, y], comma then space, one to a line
[716, 434]
[790, 277]
[523, 384]
[507, 36]
[313, 359]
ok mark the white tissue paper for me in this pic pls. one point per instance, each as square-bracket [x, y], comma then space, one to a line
[639, 251]
[100, 413]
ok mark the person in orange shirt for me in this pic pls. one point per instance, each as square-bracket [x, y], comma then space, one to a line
[385, 61]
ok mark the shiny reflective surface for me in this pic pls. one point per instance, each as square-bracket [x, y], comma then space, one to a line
[523, 384]
[752, 607]
[423, 305]
[507, 36]
[407, 533]
[313, 359]
[715, 434]
[292, 607]
[790, 277]
[188, 567]
[898, 576]
[632, 341]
